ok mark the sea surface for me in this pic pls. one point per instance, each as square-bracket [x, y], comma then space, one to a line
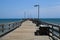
[2, 21]
[51, 20]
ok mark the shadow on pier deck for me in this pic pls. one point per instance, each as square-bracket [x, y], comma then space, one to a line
[25, 32]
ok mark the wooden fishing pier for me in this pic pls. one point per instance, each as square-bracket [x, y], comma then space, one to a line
[30, 29]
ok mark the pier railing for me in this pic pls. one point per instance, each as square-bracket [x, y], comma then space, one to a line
[8, 27]
[54, 32]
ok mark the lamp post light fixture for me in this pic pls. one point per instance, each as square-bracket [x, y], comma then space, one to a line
[38, 9]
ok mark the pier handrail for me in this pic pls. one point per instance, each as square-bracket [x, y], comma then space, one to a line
[8, 27]
[52, 28]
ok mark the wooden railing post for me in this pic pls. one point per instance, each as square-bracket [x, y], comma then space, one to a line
[2, 28]
[9, 26]
[13, 25]
[59, 31]
[52, 30]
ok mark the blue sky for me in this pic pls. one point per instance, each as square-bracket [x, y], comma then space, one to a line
[16, 8]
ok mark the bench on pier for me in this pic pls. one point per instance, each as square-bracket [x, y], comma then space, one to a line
[43, 30]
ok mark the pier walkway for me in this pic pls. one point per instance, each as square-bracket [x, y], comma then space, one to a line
[24, 32]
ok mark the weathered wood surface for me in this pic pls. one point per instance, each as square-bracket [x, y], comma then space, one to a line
[25, 32]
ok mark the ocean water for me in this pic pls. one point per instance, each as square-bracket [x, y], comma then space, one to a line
[2, 21]
[51, 20]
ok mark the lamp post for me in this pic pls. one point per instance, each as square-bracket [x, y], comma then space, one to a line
[24, 15]
[38, 9]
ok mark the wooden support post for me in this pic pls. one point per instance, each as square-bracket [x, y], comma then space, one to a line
[52, 31]
[9, 26]
[2, 28]
[13, 25]
[59, 31]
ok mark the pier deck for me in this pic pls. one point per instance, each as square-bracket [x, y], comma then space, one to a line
[24, 32]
